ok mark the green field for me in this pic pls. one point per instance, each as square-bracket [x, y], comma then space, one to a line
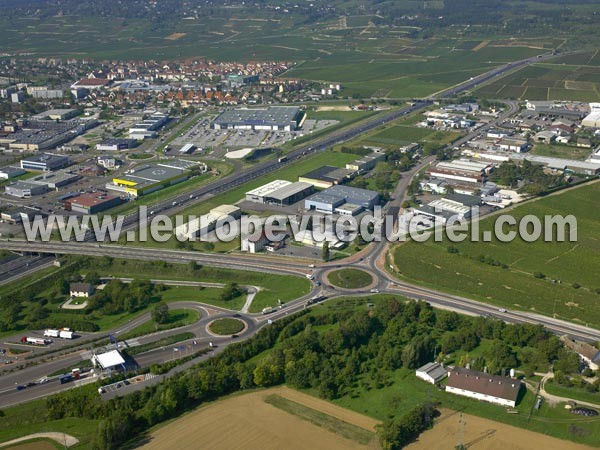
[560, 151]
[579, 80]
[227, 326]
[570, 287]
[350, 278]
[177, 318]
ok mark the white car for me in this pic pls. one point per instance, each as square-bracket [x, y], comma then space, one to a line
[310, 276]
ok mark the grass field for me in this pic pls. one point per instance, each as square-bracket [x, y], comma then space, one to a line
[560, 151]
[573, 296]
[350, 278]
[225, 327]
[568, 78]
[177, 318]
[572, 392]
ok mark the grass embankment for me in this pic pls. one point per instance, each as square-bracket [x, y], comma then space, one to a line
[320, 419]
[177, 318]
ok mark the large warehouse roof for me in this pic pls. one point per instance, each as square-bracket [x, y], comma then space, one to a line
[273, 115]
[269, 188]
[289, 190]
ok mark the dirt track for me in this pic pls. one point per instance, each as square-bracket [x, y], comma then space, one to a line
[484, 434]
[246, 422]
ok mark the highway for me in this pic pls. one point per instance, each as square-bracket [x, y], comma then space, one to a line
[372, 259]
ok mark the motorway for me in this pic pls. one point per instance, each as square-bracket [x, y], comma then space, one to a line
[372, 259]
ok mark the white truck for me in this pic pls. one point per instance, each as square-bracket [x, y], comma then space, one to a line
[267, 310]
[64, 333]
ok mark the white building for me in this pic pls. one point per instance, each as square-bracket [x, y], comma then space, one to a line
[431, 372]
[254, 245]
[483, 386]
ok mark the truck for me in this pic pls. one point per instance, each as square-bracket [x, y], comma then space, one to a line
[66, 378]
[34, 341]
[65, 333]
[267, 310]
[282, 159]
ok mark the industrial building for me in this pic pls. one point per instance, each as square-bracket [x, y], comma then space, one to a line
[116, 144]
[17, 214]
[25, 189]
[272, 118]
[457, 206]
[565, 165]
[254, 245]
[7, 173]
[483, 386]
[147, 128]
[280, 192]
[45, 162]
[149, 178]
[461, 170]
[326, 176]
[366, 163]
[92, 203]
[207, 223]
[330, 200]
[431, 373]
[593, 118]
[56, 114]
[187, 148]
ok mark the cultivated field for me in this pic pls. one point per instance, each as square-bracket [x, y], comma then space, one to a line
[574, 77]
[570, 286]
[484, 434]
[248, 422]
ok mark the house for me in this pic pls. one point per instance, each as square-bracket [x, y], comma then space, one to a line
[81, 290]
[431, 372]
[563, 139]
[483, 386]
[252, 244]
[587, 352]
[584, 143]
[545, 136]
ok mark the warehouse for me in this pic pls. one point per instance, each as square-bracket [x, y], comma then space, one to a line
[273, 118]
[55, 180]
[56, 114]
[92, 203]
[483, 386]
[432, 372]
[146, 179]
[280, 192]
[116, 144]
[203, 225]
[328, 200]
[7, 173]
[24, 189]
[326, 176]
[45, 162]
[366, 163]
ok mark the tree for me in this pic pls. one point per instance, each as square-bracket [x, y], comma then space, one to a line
[230, 291]
[326, 252]
[160, 313]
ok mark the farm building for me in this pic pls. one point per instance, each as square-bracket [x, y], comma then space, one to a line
[273, 118]
[280, 192]
[483, 386]
[587, 352]
[431, 372]
[326, 176]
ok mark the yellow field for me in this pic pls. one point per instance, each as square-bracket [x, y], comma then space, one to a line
[484, 434]
[246, 422]
[175, 36]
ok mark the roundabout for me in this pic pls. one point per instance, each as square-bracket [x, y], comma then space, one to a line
[350, 279]
[226, 326]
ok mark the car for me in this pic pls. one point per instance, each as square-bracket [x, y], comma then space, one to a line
[374, 291]
[20, 387]
[30, 384]
[310, 276]
[502, 310]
